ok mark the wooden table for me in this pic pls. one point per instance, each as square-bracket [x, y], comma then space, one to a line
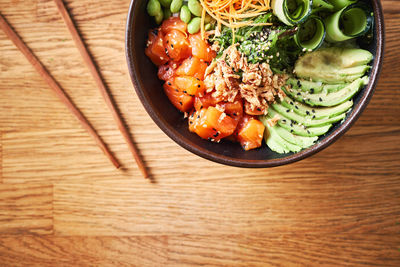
[61, 201]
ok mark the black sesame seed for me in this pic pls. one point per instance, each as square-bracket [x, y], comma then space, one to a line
[167, 69]
[291, 103]
[185, 92]
[214, 129]
[216, 134]
[198, 116]
[180, 103]
[320, 99]
[283, 120]
[169, 83]
[291, 131]
[308, 131]
[198, 79]
[259, 109]
[313, 111]
[288, 110]
[198, 86]
[201, 107]
[234, 114]
[298, 83]
[298, 93]
[296, 107]
[312, 90]
[176, 90]
[313, 117]
[308, 112]
[191, 122]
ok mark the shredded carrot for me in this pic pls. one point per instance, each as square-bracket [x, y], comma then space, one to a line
[232, 13]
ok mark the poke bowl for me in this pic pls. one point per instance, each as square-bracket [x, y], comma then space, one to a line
[145, 72]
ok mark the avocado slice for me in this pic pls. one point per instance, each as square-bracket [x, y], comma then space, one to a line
[314, 87]
[335, 75]
[297, 129]
[308, 121]
[274, 145]
[330, 99]
[301, 141]
[333, 65]
[288, 147]
[316, 113]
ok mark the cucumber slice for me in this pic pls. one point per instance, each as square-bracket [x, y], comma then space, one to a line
[311, 34]
[349, 22]
[292, 12]
[319, 5]
[339, 4]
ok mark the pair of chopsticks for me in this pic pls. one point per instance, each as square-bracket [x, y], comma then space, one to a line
[65, 98]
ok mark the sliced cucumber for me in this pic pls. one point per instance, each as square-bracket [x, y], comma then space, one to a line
[349, 22]
[311, 34]
[292, 12]
[339, 4]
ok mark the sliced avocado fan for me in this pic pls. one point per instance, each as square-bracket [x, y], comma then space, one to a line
[333, 65]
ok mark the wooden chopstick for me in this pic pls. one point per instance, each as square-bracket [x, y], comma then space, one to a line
[56, 88]
[104, 92]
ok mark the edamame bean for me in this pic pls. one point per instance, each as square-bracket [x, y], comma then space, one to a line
[194, 25]
[185, 14]
[165, 3]
[207, 27]
[176, 5]
[195, 7]
[207, 19]
[167, 13]
[154, 8]
[159, 17]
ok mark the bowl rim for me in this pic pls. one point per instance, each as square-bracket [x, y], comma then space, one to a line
[222, 159]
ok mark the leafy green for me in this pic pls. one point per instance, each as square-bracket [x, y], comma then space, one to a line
[272, 44]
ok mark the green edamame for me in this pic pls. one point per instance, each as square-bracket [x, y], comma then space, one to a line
[194, 25]
[185, 14]
[159, 17]
[195, 7]
[207, 19]
[176, 5]
[165, 3]
[154, 8]
[167, 13]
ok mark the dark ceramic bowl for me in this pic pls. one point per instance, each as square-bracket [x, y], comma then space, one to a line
[170, 120]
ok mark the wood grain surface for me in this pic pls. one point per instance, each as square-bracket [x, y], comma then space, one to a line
[63, 204]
